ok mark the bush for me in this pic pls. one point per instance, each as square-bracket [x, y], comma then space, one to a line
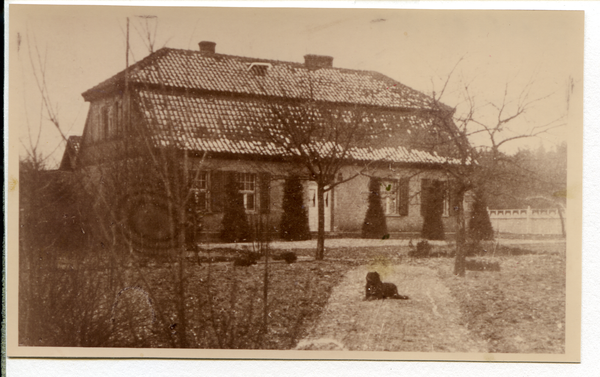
[433, 227]
[480, 226]
[289, 257]
[294, 221]
[246, 259]
[52, 210]
[374, 225]
[235, 222]
[422, 251]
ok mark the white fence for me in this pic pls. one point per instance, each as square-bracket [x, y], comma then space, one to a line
[527, 221]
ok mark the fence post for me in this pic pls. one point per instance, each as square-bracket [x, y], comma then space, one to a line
[528, 219]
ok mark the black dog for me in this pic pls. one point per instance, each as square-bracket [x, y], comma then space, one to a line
[375, 289]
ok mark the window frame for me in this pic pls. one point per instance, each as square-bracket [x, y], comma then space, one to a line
[246, 190]
[200, 176]
[392, 194]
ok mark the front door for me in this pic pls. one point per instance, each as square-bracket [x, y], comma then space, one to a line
[313, 208]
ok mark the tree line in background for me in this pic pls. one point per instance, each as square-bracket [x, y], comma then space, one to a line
[536, 178]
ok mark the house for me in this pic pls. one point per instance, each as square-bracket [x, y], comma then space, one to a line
[69, 159]
[210, 108]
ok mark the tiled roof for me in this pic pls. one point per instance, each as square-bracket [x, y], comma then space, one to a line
[194, 70]
[216, 124]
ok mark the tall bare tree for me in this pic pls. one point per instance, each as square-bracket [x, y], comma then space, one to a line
[492, 120]
[320, 137]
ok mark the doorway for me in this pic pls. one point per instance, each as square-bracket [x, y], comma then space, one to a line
[313, 208]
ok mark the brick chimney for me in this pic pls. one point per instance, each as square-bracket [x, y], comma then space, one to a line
[207, 47]
[318, 61]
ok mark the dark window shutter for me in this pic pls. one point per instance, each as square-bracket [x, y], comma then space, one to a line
[403, 197]
[265, 192]
[105, 133]
[217, 191]
[425, 187]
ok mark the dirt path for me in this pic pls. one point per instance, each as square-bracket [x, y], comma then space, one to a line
[428, 322]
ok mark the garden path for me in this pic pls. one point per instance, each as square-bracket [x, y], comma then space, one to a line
[428, 322]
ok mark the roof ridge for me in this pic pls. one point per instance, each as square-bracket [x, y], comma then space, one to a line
[265, 60]
[340, 84]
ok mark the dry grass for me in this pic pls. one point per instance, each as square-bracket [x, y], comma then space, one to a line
[521, 308]
[225, 304]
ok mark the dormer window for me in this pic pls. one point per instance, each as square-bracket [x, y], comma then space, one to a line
[259, 69]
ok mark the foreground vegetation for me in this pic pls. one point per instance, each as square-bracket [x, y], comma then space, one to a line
[520, 308]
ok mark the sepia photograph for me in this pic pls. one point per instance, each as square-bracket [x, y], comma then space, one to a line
[294, 183]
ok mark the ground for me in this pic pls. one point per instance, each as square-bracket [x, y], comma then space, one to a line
[520, 309]
[428, 322]
[311, 304]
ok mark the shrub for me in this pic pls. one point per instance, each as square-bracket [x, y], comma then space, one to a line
[422, 251]
[433, 227]
[294, 221]
[288, 256]
[374, 225]
[480, 226]
[235, 222]
[246, 259]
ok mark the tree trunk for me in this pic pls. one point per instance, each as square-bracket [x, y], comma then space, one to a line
[265, 244]
[181, 181]
[459, 261]
[562, 222]
[320, 254]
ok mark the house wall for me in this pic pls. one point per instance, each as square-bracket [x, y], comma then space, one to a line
[351, 200]
[105, 119]
[212, 221]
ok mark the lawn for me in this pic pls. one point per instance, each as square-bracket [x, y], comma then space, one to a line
[519, 309]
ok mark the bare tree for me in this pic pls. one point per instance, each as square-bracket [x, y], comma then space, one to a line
[492, 120]
[139, 200]
[54, 272]
[320, 137]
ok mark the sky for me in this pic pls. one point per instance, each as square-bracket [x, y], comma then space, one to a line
[493, 52]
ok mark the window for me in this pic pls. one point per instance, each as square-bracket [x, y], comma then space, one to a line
[395, 197]
[259, 69]
[200, 189]
[389, 197]
[248, 189]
